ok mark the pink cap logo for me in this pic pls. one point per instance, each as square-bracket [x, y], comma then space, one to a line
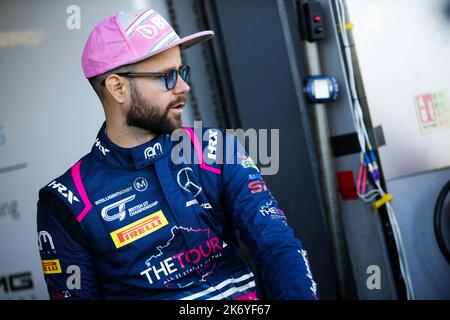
[151, 30]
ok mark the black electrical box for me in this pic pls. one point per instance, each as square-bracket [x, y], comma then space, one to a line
[312, 16]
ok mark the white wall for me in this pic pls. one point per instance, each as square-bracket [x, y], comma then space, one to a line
[403, 48]
[49, 117]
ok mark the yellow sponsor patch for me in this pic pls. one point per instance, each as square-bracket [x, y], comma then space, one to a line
[51, 266]
[249, 163]
[138, 229]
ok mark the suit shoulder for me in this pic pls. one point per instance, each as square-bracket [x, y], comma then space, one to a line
[65, 187]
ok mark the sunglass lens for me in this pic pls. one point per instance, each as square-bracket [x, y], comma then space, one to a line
[184, 73]
[171, 79]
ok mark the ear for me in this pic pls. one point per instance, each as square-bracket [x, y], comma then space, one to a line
[117, 87]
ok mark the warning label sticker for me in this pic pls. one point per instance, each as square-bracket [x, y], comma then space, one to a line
[433, 111]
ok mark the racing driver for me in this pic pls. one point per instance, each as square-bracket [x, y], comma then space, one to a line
[130, 220]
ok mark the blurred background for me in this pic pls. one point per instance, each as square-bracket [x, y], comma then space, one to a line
[360, 91]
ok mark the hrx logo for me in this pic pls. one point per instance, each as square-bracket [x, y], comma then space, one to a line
[212, 142]
[66, 193]
[100, 147]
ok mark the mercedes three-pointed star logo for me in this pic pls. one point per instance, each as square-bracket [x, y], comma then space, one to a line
[184, 179]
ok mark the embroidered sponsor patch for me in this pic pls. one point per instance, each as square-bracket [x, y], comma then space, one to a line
[139, 229]
[51, 266]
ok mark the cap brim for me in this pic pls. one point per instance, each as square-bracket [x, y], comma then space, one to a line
[196, 38]
[184, 43]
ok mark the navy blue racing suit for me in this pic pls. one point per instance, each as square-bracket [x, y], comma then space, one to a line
[159, 221]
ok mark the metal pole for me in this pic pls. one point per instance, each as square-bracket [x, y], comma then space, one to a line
[343, 269]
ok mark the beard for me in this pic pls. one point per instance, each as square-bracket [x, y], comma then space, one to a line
[145, 115]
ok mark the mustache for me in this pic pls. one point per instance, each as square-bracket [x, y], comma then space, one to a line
[180, 99]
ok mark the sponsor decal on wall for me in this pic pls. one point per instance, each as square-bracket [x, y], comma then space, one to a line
[433, 111]
[10, 209]
[11, 283]
[2, 136]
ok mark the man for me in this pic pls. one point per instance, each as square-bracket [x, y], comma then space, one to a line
[130, 221]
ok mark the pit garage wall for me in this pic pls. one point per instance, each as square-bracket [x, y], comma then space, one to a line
[403, 49]
[49, 116]
[364, 233]
[414, 205]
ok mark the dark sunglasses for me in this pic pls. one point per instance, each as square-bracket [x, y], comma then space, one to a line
[170, 77]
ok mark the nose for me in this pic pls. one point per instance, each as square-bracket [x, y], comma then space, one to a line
[181, 86]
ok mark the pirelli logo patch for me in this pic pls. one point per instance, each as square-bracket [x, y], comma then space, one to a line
[51, 266]
[139, 229]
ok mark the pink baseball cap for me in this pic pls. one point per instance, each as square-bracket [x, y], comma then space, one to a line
[131, 37]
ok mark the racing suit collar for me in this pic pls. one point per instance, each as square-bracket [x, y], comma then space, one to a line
[132, 158]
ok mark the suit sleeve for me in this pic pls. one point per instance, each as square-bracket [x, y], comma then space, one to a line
[68, 267]
[277, 253]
